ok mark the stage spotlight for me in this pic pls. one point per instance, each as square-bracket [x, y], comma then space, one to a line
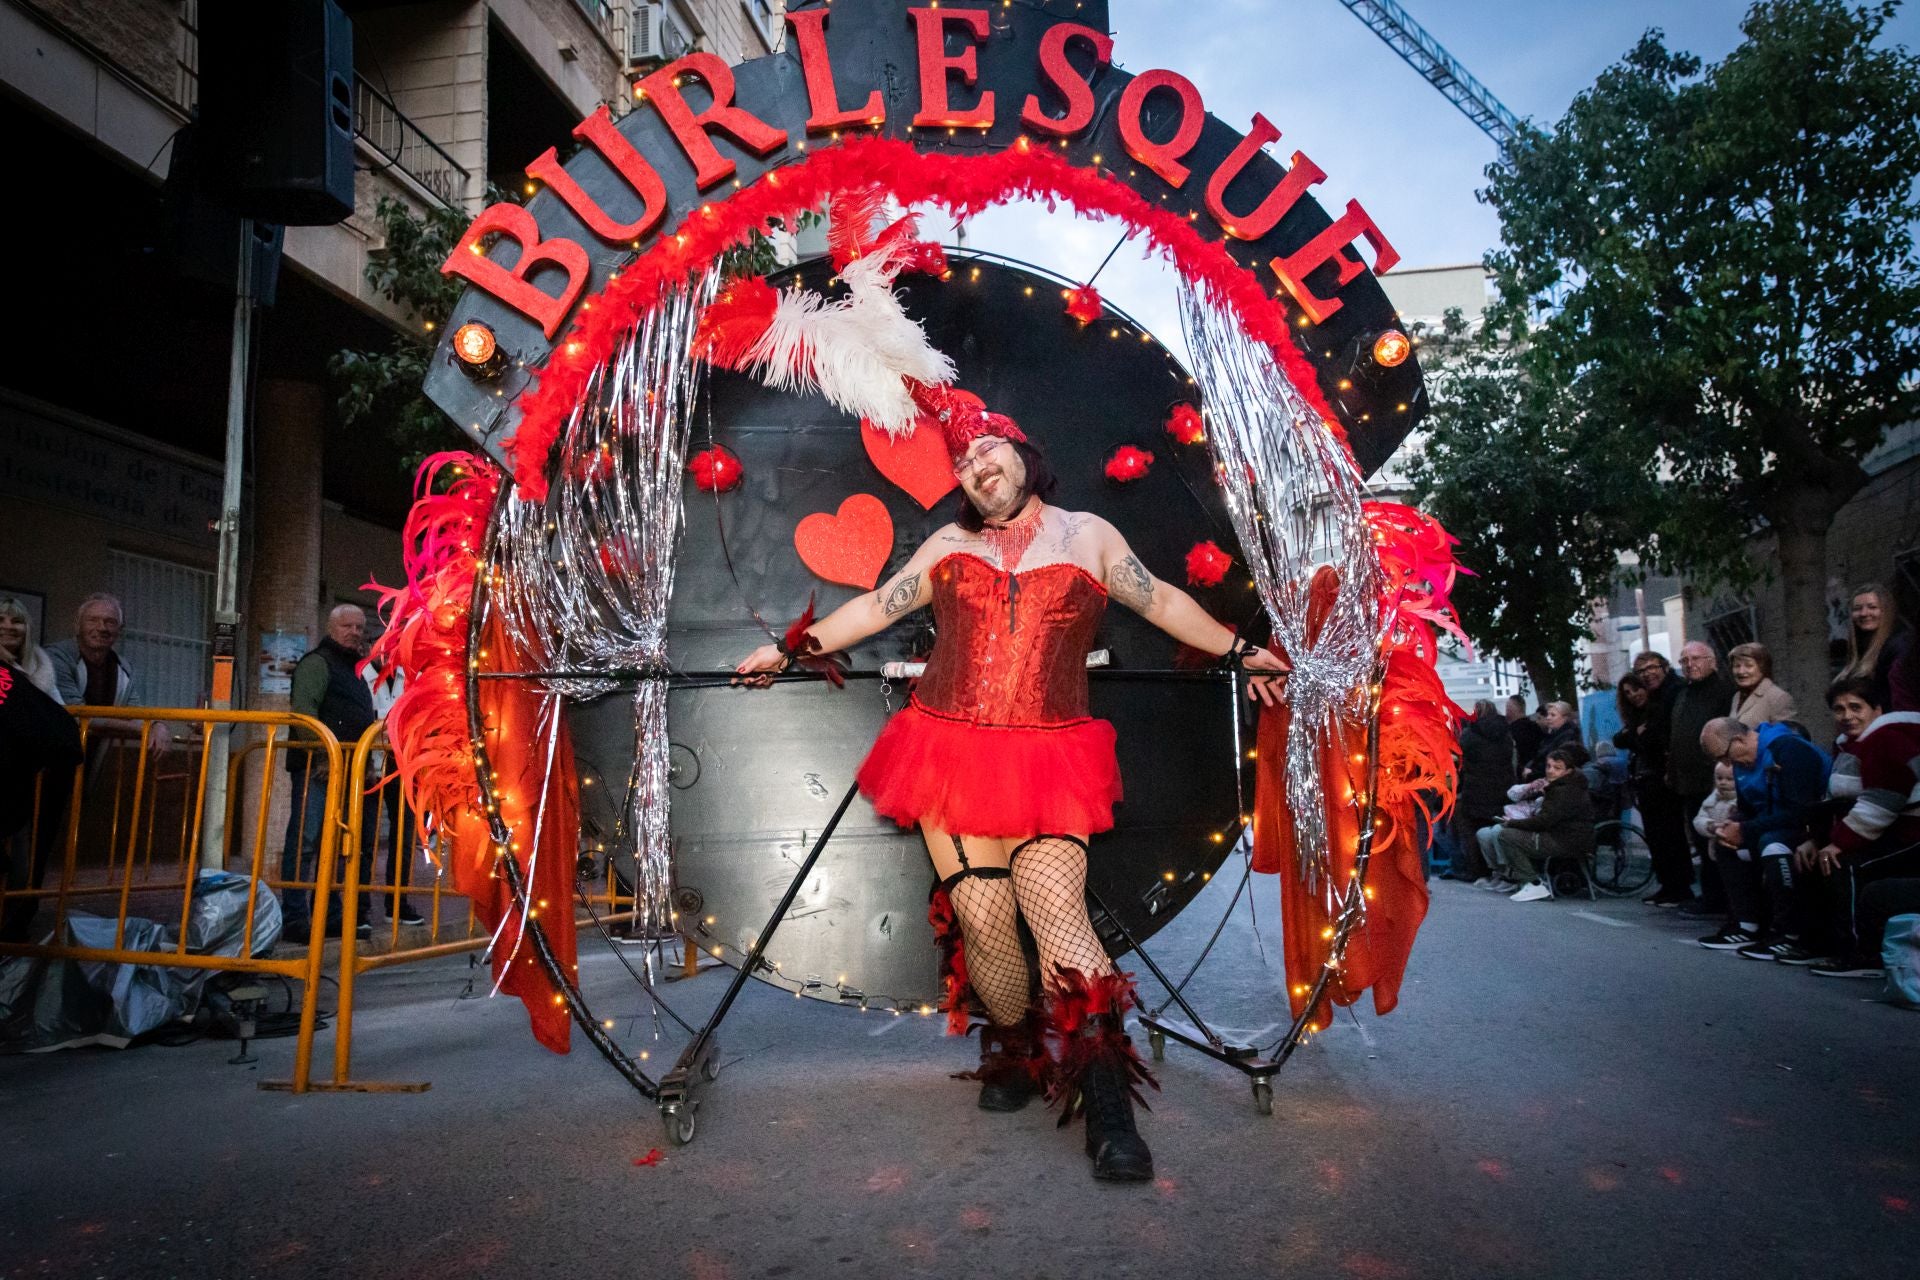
[478, 350]
[1391, 349]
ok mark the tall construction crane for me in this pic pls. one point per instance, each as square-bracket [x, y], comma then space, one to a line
[1424, 54]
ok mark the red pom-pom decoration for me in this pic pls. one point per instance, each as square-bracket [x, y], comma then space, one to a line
[1207, 565]
[1128, 464]
[715, 470]
[1185, 426]
[1083, 303]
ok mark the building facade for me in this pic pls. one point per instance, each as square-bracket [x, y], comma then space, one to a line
[112, 430]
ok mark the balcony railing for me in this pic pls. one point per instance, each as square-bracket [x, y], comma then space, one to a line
[400, 140]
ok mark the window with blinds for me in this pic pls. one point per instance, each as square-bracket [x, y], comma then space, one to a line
[168, 636]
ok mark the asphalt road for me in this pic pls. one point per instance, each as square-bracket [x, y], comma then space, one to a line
[1568, 1089]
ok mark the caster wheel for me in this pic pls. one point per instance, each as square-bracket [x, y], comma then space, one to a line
[679, 1127]
[710, 1069]
[1263, 1097]
[1157, 1045]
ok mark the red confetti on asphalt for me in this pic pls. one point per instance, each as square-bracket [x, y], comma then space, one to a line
[652, 1157]
[1899, 1204]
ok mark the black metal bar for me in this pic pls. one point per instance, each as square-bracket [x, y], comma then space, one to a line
[716, 678]
[1173, 992]
[751, 962]
[1244, 1060]
[1166, 982]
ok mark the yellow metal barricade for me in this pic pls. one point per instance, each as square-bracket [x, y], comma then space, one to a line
[129, 830]
[449, 926]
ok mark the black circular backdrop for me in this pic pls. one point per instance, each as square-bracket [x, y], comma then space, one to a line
[758, 773]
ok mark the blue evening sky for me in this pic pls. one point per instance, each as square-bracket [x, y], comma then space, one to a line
[1384, 136]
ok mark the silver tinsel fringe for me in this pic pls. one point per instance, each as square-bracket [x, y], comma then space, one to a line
[1294, 495]
[586, 577]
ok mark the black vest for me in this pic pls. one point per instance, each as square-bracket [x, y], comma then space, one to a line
[347, 706]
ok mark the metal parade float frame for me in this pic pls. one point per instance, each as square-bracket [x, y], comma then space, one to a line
[607, 322]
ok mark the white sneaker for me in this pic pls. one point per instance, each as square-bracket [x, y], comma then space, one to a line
[1536, 891]
[1485, 882]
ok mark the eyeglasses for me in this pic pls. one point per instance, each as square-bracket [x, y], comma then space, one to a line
[978, 454]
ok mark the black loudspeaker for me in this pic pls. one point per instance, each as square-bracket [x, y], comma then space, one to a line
[276, 106]
[203, 236]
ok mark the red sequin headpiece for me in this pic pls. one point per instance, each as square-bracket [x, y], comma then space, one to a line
[961, 417]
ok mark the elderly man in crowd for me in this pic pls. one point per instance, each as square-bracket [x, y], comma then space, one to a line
[1660, 808]
[328, 687]
[1781, 782]
[1705, 694]
[90, 671]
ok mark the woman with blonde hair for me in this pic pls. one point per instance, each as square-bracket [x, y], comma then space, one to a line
[17, 646]
[1757, 700]
[1875, 640]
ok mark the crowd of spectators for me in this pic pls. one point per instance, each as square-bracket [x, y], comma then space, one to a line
[1794, 844]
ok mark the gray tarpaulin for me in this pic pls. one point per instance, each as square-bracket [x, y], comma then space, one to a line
[63, 1004]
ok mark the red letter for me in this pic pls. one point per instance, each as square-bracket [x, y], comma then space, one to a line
[1055, 67]
[509, 284]
[810, 33]
[1162, 157]
[630, 164]
[1326, 247]
[1285, 194]
[930, 26]
[690, 130]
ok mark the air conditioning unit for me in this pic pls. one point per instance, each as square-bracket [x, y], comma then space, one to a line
[655, 35]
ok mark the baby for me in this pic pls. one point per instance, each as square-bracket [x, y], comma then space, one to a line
[1720, 807]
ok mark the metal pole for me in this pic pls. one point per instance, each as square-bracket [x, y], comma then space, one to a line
[226, 617]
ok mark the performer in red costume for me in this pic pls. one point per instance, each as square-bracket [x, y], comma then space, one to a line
[997, 761]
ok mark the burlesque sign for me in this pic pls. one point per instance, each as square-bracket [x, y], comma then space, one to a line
[1032, 85]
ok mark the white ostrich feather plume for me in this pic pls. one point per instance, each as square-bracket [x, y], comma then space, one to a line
[856, 351]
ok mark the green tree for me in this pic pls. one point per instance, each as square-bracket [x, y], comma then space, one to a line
[1507, 463]
[381, 388]
[1738, 300]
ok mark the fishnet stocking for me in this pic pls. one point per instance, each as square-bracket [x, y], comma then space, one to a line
[990, 924]
[1050, 884]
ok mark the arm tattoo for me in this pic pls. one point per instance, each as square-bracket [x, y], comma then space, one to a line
[1131, 584]
[900, 597]
[1070, 527]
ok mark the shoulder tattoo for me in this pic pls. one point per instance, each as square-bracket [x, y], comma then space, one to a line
[1070, 527]
[899, 598]
[1131, 584]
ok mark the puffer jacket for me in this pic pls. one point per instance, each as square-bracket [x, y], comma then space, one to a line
[1566, 815]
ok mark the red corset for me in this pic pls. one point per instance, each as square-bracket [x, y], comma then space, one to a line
[1012, 647]
[996, 740]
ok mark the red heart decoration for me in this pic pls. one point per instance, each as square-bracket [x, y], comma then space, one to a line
[917, 463]
[850, 546]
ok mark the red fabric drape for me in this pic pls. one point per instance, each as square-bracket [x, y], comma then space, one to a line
[1377, 953]
[426, 638]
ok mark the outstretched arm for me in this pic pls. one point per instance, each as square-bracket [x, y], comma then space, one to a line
[868, 613]
[1167, 607]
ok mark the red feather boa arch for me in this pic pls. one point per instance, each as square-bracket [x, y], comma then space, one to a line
[962, 185]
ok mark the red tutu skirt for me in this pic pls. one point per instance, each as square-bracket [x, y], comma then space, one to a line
[993, 780]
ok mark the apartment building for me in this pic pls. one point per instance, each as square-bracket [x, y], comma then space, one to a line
[113, 408]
